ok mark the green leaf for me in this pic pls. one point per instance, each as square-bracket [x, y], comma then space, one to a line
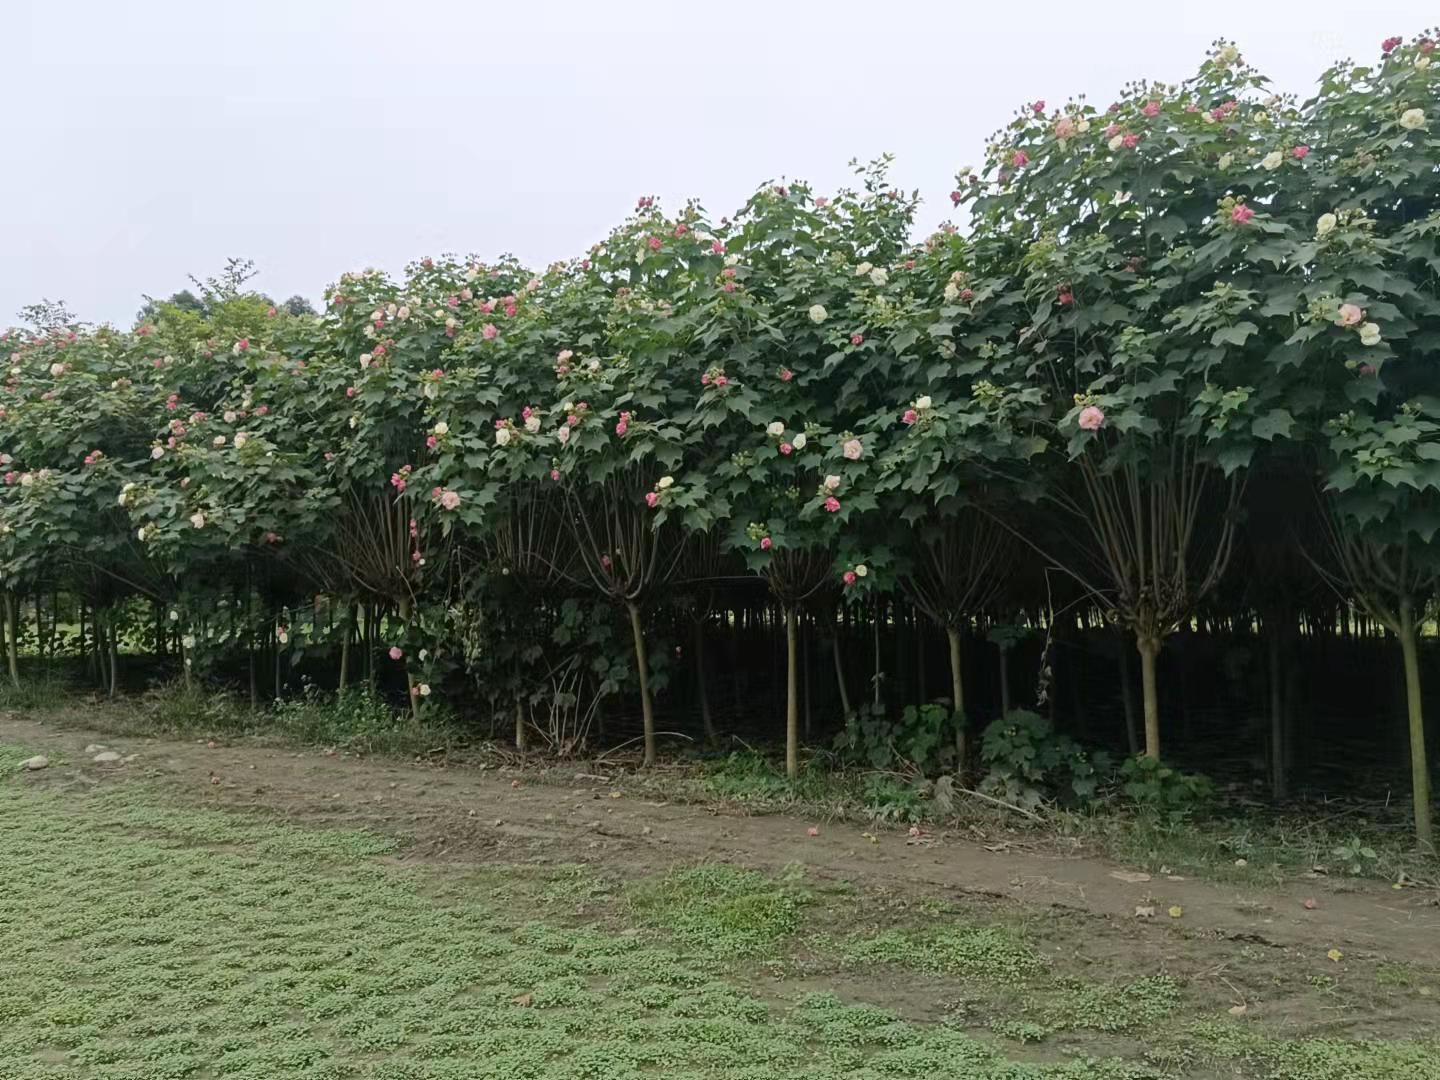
[1234, 335]
[1276, 422]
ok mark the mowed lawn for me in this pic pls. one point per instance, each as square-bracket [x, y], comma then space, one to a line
[142, 936]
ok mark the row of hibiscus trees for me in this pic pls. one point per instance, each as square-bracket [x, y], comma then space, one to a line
[1149, 302]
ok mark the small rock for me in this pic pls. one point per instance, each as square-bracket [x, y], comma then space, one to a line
[106, 757]
[1239, 1010]
[39, 761]
[1134, 877]
[95, 748]
[131, 757]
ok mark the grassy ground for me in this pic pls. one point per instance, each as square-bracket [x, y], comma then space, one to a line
[146, 935]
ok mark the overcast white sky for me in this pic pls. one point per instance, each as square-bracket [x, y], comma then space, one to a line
[149, 139]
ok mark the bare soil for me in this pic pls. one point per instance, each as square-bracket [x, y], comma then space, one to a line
[1261, 948]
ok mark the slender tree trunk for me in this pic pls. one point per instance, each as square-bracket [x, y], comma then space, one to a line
[1004, 680]
[1277, 714]
[957, 702]
[792, 696]
[840, 673]
[701, 689]
[185, 666]
[875, 634]
[370, 646]
[12, 651]
[642, 664]
[1127, 699]
[39, 624]
[101, 678]
[1149, 648]
[344, 653]
[520, 741]
[410, 690]
[1419, 763]
[114, 662]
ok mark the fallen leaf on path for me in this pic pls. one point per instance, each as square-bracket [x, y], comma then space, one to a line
[616, 794]
[1004, 845]
[812, 831]
[1239, 1010]
[1134, 877]
[914, 832]
[1309, 904]
[871, 837]
[1176, 911]
[1144, 911]
[514, 783]
[524, 1000]
[1335, 954]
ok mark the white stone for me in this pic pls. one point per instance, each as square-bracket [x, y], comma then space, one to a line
[108, 757]
[95, 748]
[39, 761]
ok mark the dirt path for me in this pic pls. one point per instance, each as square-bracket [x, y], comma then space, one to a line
[479, 815]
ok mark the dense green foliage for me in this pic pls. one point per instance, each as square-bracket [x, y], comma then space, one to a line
[478, 468]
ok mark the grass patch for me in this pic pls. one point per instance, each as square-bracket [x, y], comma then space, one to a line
[723, 913]
[1260, 848]
[987, 954]
[211, 944]
[1314, 1059]
[356, 720]
[200, 942]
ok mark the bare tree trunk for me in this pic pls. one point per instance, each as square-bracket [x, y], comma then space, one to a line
[642, 663]
[1419, 763]
[85, 653]
[875, 631]
[840, 673]
[114, 662]
[792, 697]
[957, 701]
[410, 690]
[345, 625]
[12, 651]
[1149, 647]
[520, 742]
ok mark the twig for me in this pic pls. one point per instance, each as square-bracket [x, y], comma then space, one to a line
[637, 738]
[1000, 802]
